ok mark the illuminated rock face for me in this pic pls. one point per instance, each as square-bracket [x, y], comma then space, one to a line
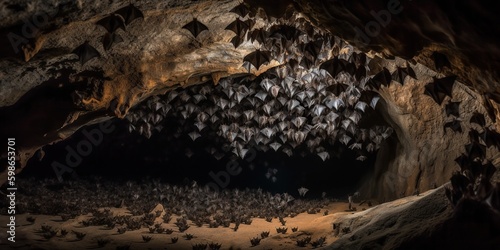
[156, 55]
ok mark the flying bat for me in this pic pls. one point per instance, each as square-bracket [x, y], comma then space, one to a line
[360, 73]
[359, 59]
[259, 35]
[440, 60]
[85, 52]
[130, 13]
[454, 125]
[109, 39]
[237, 41]
[475, 150]
[490, 138]
[440, 88]
[257, 58]
[473, 135]
[288, 32]
[401, 73]
[337, 89]
[381, 78]
[112, 23]
[334, 66]
[240, 9]
[239, 27]
[313, 48]
[452, 108]
[478, 119]
[195, 27]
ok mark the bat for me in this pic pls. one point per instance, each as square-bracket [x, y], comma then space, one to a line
[463, 161]
[130, 13]
[478, 119]
[490, 138]
[475, 150]
[401, 73]
[334, 66]
[337, 89]
[257, 58]
[306, 63]
[195, 27]
[288, 32]
[313, 48]
[440, 60]
[360, 73]
[85, 52]
[488, 170]
[109, 39]
[370, 97]
[112, 23]
[381, 78]
[239, 27]
[473, 135]
[359, 59]
[241, 10]
[440, 88]
[454, 125]
[237, 41]
[452, 108]
[259, 35]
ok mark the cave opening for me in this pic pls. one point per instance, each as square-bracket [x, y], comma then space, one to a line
[172, 156]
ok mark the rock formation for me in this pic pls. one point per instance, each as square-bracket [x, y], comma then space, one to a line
[46, 94]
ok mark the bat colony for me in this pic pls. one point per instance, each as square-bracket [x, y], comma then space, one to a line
[315, 99]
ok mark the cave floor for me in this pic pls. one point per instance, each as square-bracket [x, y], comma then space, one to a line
[314, 225]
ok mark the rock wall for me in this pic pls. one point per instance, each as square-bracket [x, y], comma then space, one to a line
[38, 78]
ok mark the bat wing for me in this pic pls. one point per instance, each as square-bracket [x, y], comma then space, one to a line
[130, 13]
[454, 125]
[381, 78]
[430, 90]
[445, 85]
[241, 10]
[475, 150]
[236, 41]
[440, 61]
[360, 73]
[257, 58]
[452, 108]
[238, 27]
[399, 75]
[109, 39]
[286, 31]
[313, 48]
[111, 23]
[409, 70]
[490, 138]
[306, 63]
[463, 161]
[478, 118]
[337, 89]
[332, 66]
[348, 67]
[488, 170]
[195, 27]
[259, 35]
[85, 52]
[359, 59]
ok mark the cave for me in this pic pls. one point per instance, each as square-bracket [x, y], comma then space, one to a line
[243, 124]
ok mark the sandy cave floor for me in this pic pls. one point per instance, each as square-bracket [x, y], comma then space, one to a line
[315, 225]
